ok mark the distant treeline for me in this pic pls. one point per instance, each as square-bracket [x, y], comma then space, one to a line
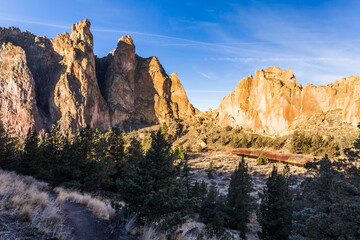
[299, 142]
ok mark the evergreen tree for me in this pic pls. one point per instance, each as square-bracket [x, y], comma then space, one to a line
[164, 129]
[317, 144]
[212, 212]
[8, 149]
[134, 151]
[238, 201]
[203, 190]
[327, 206]
[151, 188]
[185, 174]
[115, 160]
[51, 154]
[30, 162]
[198, 193]
[89, 159]
[275, 213]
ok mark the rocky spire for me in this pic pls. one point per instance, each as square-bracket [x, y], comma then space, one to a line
[81, 31]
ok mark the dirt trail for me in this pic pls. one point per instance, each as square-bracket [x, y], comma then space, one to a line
[86, 225]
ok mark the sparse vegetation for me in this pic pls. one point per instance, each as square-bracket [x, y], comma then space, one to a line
[100, 208]
[28, 199]
[316, 144]
[262, 159]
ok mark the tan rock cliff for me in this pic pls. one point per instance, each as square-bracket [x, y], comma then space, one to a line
[60, 80]
[18, 109]
[272, 100]
[138, 89]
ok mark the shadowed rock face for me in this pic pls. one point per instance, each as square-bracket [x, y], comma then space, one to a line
[18, 107]
[272, 100]
[138, 89]
[60, 80]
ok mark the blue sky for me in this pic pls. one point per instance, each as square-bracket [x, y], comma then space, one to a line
[212, 44]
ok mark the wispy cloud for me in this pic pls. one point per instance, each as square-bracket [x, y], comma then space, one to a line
[279, 59]
[205, 75]
[34, 22]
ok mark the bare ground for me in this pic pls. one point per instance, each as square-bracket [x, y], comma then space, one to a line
[83, 222]
[225, 164]
[86, 225]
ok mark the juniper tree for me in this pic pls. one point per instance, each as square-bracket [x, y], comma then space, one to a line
[8, 149]
[115, 161]
[51, 155]
[327, 206]
[275, 212]
[89, 159]
[151, 188]
[30, 161]
[185, 174]
[238, 201]
[212, 212]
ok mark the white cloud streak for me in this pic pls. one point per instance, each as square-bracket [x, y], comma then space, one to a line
[205, 75]
[34, 22]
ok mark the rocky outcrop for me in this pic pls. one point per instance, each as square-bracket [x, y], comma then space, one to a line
[272, 100]
[138, 89]
[18, 108]
[60, 80]
[76, 97]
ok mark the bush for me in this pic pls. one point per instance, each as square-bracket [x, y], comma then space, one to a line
[188, 148]
[262, 159]
[278, 143]
[211, 165]
[228, 128]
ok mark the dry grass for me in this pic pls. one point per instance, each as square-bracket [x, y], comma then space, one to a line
[101, 208]
[26, 197]
[130, 223]
[149, 233]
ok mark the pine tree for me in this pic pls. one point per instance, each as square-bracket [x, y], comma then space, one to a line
[296, 143]
[115, 161]
[275, 212]
[185, 174]
[317, 144]
[134, 151]
[51, 154]
[89, 159]
[212, 212]
[164, 129]
[238, 201]
[327, 206]
[30, 161]
[203, 190]
[151, 188]
[8, 149]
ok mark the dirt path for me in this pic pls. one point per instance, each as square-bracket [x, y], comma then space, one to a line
[84, 224]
